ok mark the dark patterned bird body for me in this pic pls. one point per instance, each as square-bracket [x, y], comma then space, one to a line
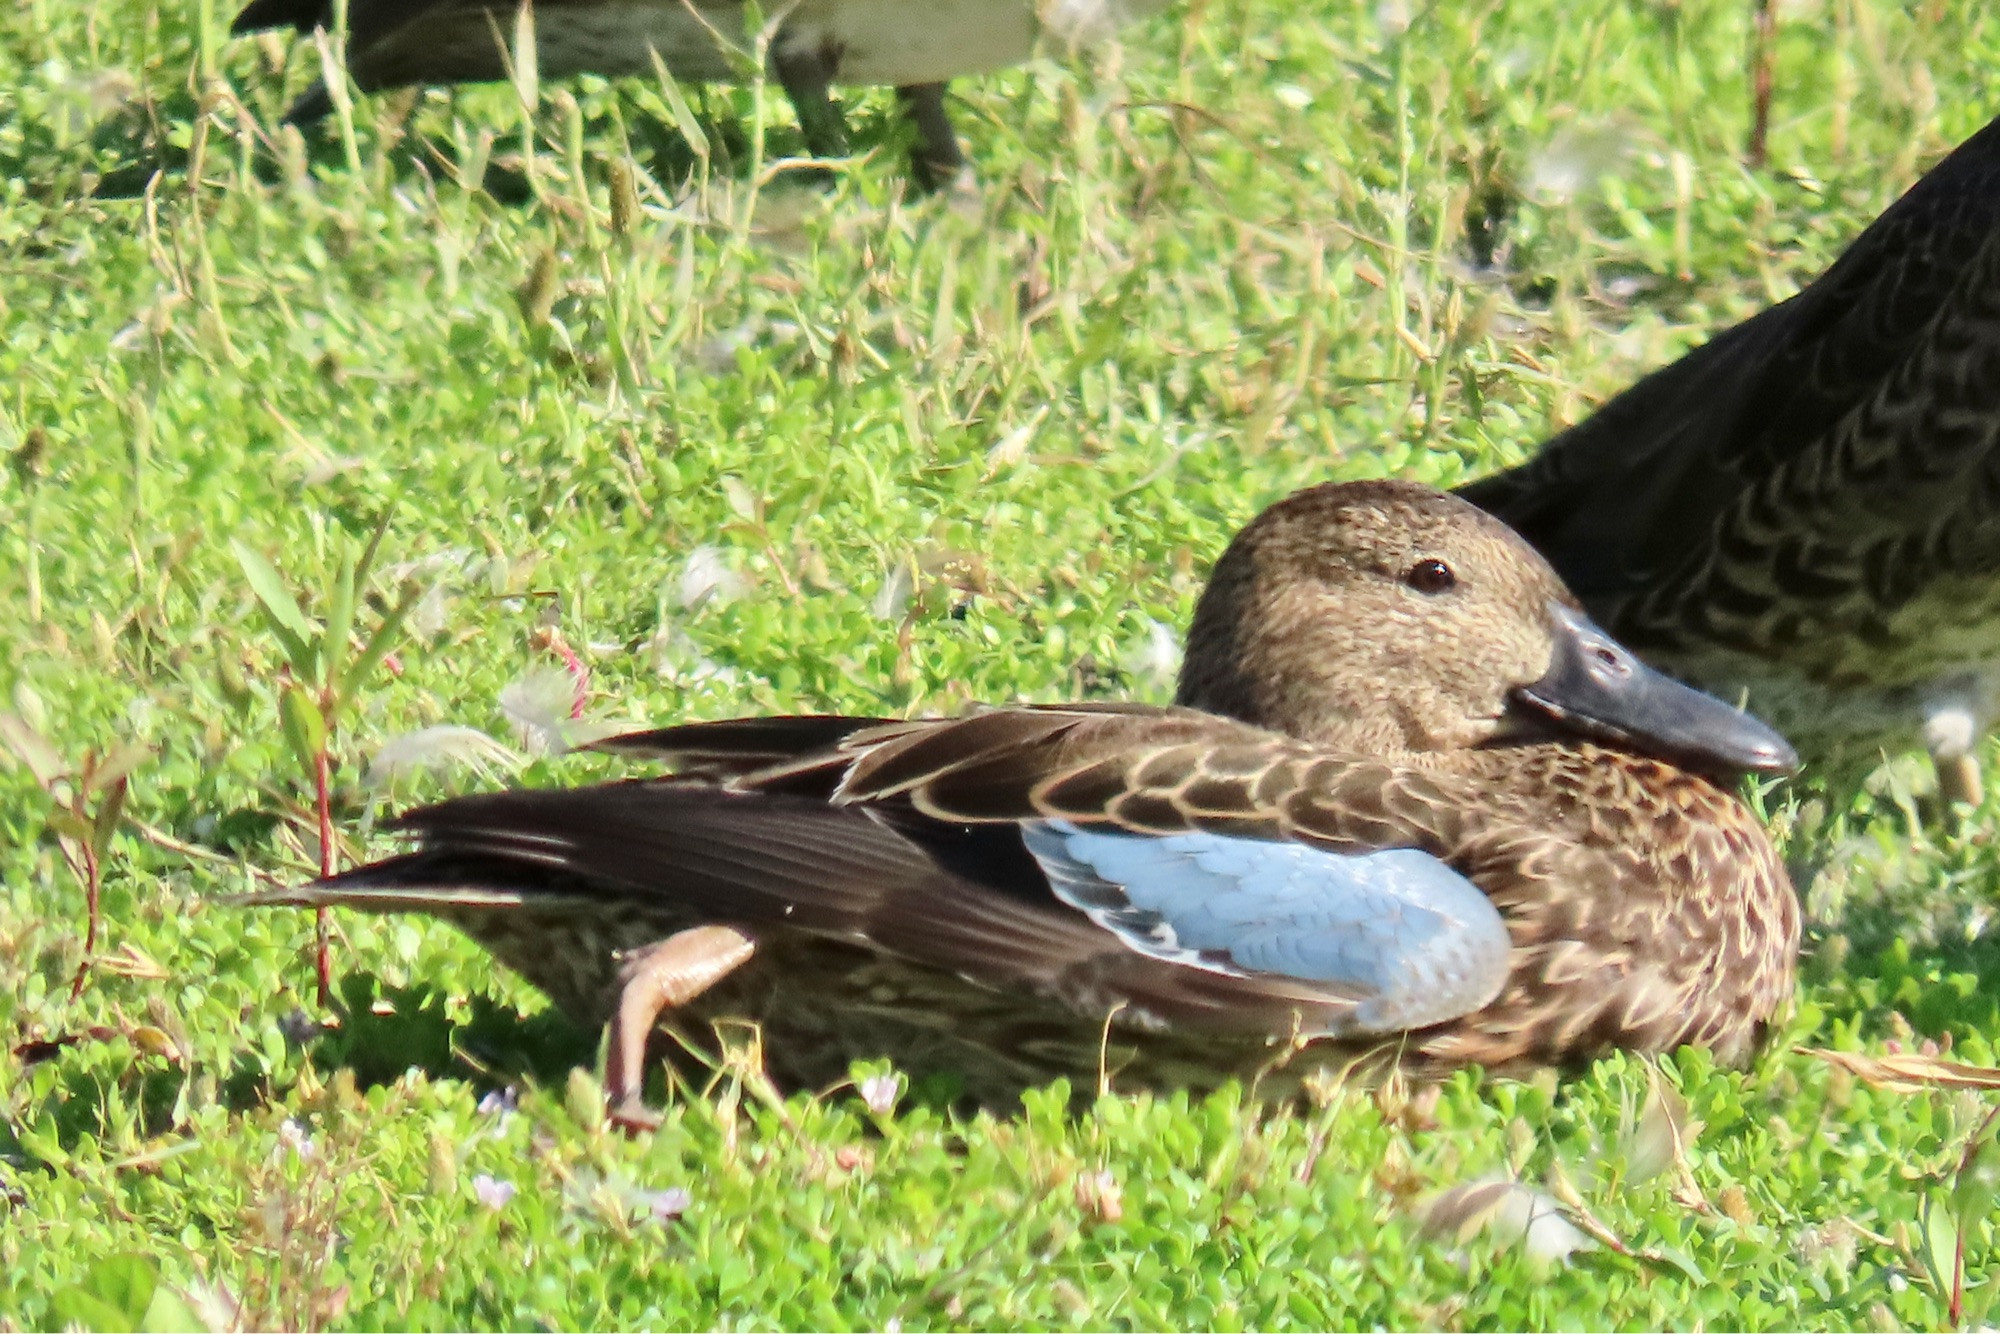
[1805, 512]
[1422, 812]
[819, 1005]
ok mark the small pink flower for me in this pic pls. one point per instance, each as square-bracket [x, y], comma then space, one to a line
[666, 1205]
[879, 1093]
[492, 1192]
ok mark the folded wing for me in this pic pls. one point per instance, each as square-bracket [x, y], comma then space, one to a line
[1411, 939]
[1044, 849]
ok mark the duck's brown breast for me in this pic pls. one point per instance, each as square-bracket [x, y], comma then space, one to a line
[1647, 907]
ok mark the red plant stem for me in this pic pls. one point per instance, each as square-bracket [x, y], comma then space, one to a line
[579, 674]
[1762, 73]
[1958, 1278]
[93, 879]
[323, 804]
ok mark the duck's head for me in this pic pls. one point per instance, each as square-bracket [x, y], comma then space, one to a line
[1389, 617]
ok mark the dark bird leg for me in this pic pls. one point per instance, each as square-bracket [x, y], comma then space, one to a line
[315, 104]
[807, 77]
[1958, 781]
[936, 162]
[656, 979]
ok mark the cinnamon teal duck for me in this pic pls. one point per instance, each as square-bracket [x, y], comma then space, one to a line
[1805, 512]
[1409, 802]
[914, 45]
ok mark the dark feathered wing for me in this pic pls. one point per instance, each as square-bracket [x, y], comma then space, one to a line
[906, 836]
[1619, 500]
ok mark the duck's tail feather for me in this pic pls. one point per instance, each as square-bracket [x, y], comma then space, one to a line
[427, 881]
[964, 898]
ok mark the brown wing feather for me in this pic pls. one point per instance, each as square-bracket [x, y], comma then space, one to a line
[1644, 905]
[736, 748]
[675, 854]
[1152, 771]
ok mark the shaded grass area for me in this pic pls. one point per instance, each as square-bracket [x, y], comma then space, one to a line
[744, 446]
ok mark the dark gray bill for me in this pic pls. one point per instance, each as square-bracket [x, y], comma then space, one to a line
[1596, 687]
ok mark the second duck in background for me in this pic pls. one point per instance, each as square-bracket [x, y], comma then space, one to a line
[1805, 512]
[913, 45]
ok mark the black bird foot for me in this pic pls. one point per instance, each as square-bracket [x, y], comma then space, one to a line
[807, 77]
[936, 163]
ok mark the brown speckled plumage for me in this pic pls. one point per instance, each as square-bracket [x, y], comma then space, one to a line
[1806, 511]
[880, 867]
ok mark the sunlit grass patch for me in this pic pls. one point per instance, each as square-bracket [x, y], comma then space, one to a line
[736, 445]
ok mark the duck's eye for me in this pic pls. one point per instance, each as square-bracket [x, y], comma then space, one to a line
[1431, 576]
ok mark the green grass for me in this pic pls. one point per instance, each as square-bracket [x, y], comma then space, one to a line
[1238, 256]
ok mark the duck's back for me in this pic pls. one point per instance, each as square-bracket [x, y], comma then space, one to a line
[1806, 511]
[1629, 498]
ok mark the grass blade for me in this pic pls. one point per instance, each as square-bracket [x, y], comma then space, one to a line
[291, 624]
[375, 650]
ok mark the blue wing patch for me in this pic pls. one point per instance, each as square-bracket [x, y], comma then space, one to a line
[1413, 941]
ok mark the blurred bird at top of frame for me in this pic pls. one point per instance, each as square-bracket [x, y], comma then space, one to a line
[1411, 809]
[1804, 513]
[913, 45]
